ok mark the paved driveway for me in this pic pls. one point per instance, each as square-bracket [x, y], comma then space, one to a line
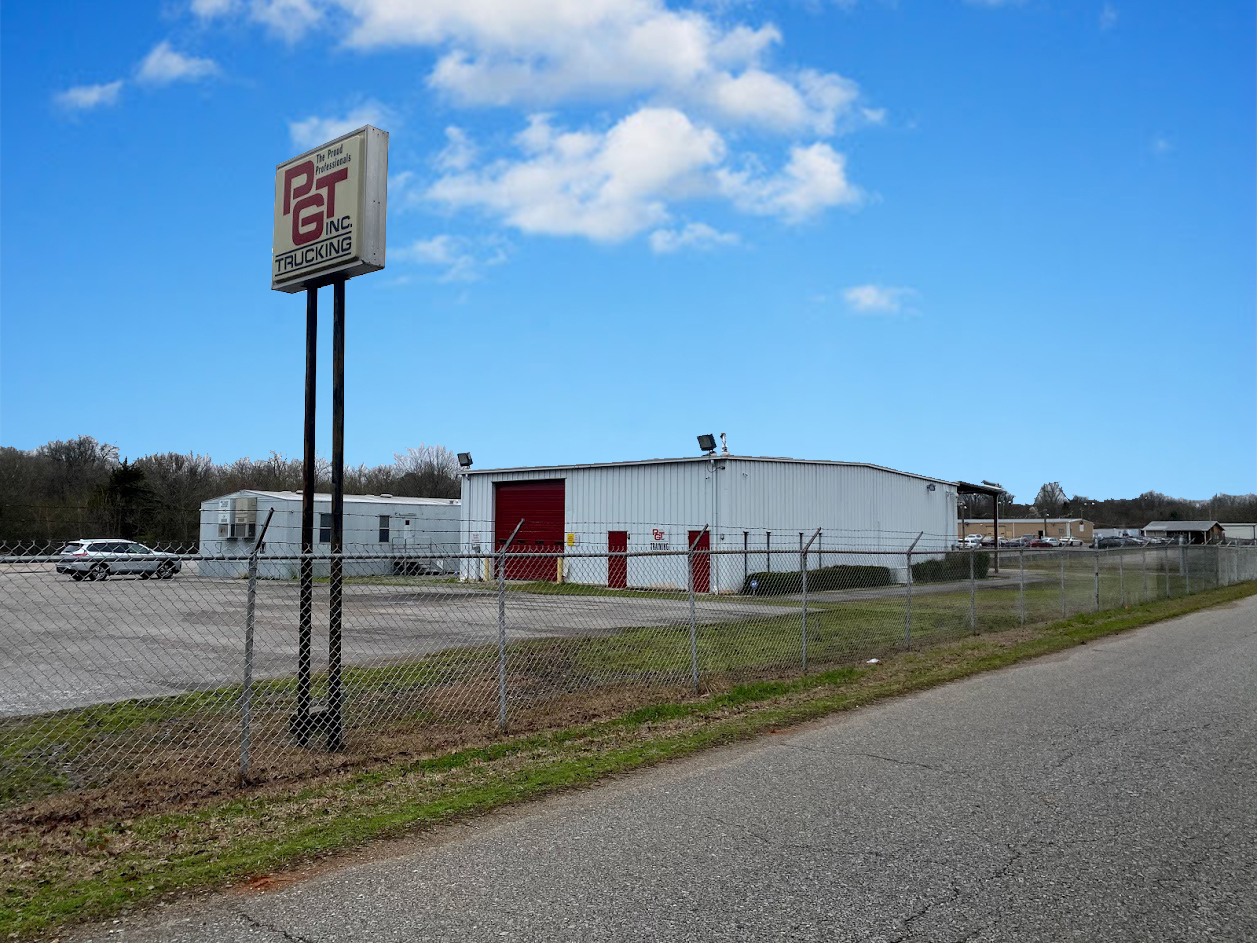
[69, 644]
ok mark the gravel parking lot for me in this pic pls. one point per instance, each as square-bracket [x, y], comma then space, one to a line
[72, 644]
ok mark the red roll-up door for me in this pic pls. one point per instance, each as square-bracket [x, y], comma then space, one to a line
[540, 505]
[617, 560]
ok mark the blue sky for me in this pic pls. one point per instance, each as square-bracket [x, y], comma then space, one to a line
[1002, 240]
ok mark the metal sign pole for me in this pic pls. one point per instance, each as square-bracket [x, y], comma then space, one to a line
[299, 725]
[335, 694]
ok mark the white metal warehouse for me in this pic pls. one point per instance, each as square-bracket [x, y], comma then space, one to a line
[405, 534]
[748, 504]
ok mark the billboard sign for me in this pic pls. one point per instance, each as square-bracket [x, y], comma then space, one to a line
[330, 208]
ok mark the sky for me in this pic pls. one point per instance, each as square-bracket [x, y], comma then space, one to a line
[973, 239]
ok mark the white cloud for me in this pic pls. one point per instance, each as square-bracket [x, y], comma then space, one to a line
[313, 131]
[813, 179]
[87, 97]
[878, 299]
[459, 152]
[462, 259]
[676, 90]
[163, 65]
[208, 9]
[288, 19]
[692, 236]
[606, 187]
[1108, 16]
[541, 53]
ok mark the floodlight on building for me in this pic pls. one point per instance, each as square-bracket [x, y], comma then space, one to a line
[931, 487]
[464, 459]
[707, 443]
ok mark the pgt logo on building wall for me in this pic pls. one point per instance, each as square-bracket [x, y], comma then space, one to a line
[330, 210]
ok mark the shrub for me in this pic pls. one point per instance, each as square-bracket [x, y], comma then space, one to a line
[953, 566]
[828, 577]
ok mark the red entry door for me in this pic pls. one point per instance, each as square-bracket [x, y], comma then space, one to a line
[700, 563]
[617, 562]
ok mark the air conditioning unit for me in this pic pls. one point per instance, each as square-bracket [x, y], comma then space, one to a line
[244, 519]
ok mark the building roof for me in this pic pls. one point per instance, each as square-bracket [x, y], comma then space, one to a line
[356, 498]
[703, 458]
[1183, 526]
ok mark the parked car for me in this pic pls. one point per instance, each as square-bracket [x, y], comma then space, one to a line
[101, 558]
[1070, 541]
[1039, 542]
[971, 542]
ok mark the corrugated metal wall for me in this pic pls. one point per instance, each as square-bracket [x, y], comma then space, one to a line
[856, 507]
[434, 524]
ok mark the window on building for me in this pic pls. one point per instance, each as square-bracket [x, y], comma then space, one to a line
[325, 528]
[383, 528]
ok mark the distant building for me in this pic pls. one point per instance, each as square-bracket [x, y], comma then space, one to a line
[1075, 528]
[1102, 532]
[1191, 532]
[1246, 533]
[383, 534]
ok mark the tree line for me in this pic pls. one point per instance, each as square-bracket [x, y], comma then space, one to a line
[82, 488]
[1052, 501]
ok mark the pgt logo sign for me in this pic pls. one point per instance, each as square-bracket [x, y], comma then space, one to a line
[330, 211]
[314, 214]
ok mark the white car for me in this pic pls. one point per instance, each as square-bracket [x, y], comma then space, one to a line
[101, 558]
[1071, 541]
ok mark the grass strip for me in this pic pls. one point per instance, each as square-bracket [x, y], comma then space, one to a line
[50, 878]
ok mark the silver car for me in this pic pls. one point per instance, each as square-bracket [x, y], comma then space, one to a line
[101, 558]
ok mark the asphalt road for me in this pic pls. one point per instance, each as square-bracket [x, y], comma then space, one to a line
[70, 644]
[1105, 794]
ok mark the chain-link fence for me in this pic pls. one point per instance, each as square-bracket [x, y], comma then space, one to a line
[130, 668]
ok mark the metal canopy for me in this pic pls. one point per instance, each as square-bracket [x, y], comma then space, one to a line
[965, 487]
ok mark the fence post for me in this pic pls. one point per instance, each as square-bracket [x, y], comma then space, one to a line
[1165, 565]
[1097, 580]
[1219, 563]
[907, 616]
[1021, 585]
[1064, 610]
[1121, 578]
[803, 575]
[689, 570]
[500, 560]
[246, 690]
[804, 549]
[973, 594]
[1187, 571]
[1143, 566]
